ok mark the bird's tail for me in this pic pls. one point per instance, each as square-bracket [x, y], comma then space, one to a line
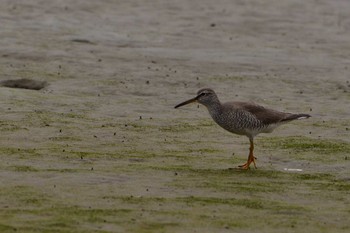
[292, 117]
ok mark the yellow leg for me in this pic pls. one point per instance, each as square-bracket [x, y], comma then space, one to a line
[251, 158]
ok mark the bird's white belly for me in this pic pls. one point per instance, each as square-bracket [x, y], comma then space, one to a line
[254, 132]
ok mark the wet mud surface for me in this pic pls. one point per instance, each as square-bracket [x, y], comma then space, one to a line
[102, 149]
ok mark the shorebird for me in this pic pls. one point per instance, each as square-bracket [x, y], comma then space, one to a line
[243, 118]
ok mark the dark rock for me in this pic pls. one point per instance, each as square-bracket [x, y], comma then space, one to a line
[24, 83]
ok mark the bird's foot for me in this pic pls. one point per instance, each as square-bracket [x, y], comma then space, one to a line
[246, 166]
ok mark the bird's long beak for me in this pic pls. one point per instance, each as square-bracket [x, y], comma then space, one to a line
[187, 102]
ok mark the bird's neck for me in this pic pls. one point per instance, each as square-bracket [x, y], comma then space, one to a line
[215, 107]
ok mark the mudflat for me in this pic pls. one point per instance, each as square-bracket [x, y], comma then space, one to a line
[102, 149]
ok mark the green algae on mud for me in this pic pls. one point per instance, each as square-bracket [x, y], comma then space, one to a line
[24, 169]
[186, 168]
[326, 150]
[10, 151]
[161, 213]
[332, 123]
[10, 126]
[200, 201]
[187, 126]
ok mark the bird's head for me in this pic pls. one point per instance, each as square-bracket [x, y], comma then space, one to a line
[205, 96]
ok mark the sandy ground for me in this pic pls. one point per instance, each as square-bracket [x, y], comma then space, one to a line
[102, 149]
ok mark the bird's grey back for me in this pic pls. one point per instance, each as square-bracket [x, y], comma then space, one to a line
[246, 118]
